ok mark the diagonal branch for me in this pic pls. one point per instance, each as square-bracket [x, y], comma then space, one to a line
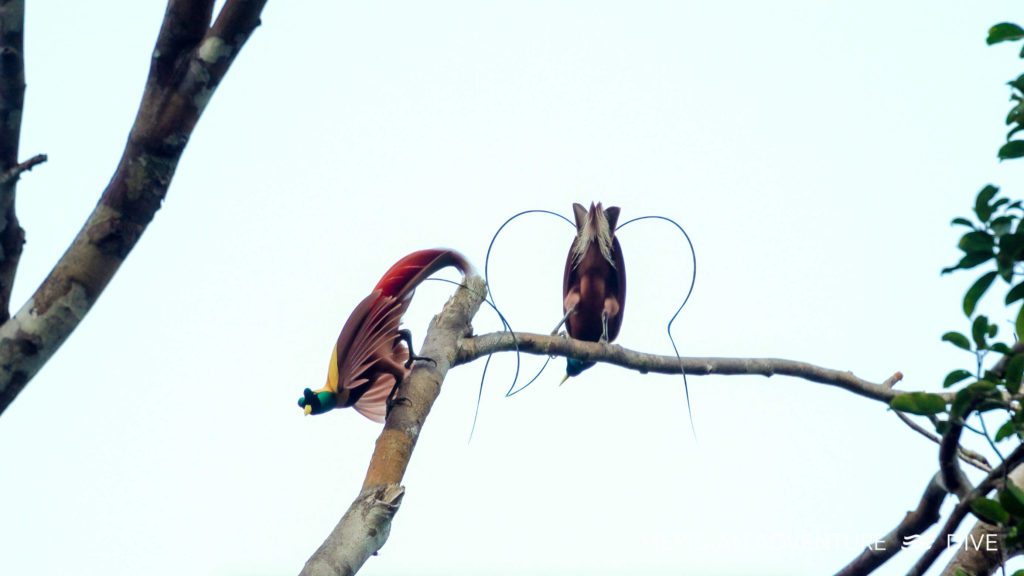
[185, 70]
[982, 559]
[914, 523]
[962, 509]
[476, 347]
[363, 530]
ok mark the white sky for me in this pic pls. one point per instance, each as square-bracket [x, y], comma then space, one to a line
[815, 151]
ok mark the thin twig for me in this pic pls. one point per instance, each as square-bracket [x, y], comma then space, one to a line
[969, 456]
[15, 172]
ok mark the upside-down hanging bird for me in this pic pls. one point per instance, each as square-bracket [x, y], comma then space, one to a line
[372, 355]
[594, 283]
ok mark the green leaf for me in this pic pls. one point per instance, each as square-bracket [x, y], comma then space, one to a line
[920, 403]
[1015, 293]
[962, 222]
[1004, 32]
[1014, 373]
[973, 396]
[1012, 245]
[1002, 224]
[1006, 430]
[1019, 324]
[954, 377]
[998, 346]
[989, 510]
[978, 330]
[1014, 115]
[942, 426]
[1012, 499]
[984, 198]
[1012, 149]
[977, 241]
[976, 291]
[957, 339]
[969, 261]
[1005, 268]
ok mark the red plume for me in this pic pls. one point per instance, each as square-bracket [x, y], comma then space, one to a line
[403, 277]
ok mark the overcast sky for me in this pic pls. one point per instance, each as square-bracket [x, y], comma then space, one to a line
[814, 151]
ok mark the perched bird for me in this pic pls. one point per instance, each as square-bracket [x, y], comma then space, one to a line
[594, 284]
[372, 356]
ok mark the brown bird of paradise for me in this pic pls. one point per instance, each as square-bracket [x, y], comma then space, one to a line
[594, 283]
[372, 355]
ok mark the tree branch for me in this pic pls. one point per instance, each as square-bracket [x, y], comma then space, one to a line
[979, 560]
[183, 76]
[953, 477]
[479, 346]
[362, 531]
[915, 522]
[12, 100]
[969, 456]
[962, 509]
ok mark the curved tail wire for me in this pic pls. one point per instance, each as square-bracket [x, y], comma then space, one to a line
[487, 280]
[693, 282]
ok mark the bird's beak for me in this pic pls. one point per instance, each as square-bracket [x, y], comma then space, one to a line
[308, 409]
[564, 378]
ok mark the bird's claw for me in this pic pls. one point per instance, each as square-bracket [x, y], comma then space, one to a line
[408, 363]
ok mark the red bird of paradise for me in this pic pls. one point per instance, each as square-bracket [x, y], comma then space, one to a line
[372, 355]
[594, 283]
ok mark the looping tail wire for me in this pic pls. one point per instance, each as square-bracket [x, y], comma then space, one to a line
[668, 329]
[512, 391]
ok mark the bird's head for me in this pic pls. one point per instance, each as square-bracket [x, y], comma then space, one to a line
[317, 402]
[574, 367]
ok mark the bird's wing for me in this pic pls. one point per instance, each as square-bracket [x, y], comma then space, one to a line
[344, 342]
[374, 402]
[569, 275]
[374, 339]
[615, 322]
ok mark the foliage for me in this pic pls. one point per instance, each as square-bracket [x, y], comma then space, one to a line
[993, 242]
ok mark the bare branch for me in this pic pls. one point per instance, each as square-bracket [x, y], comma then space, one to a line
[359, 536]
[370, 517]
[915, 522]
[479, 346]
[12, 100]
[980, 560]
[180, 84]
[15, 172]
[962, 509]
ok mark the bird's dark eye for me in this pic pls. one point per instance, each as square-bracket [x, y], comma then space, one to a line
[309, 399]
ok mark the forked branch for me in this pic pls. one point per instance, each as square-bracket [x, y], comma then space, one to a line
[188, 64]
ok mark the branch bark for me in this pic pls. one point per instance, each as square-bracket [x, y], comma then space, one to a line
[939, 545]
[978, 560]
[480, 346]
[12, 99]
[188, 63]
[363, 530]
[915, 522]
